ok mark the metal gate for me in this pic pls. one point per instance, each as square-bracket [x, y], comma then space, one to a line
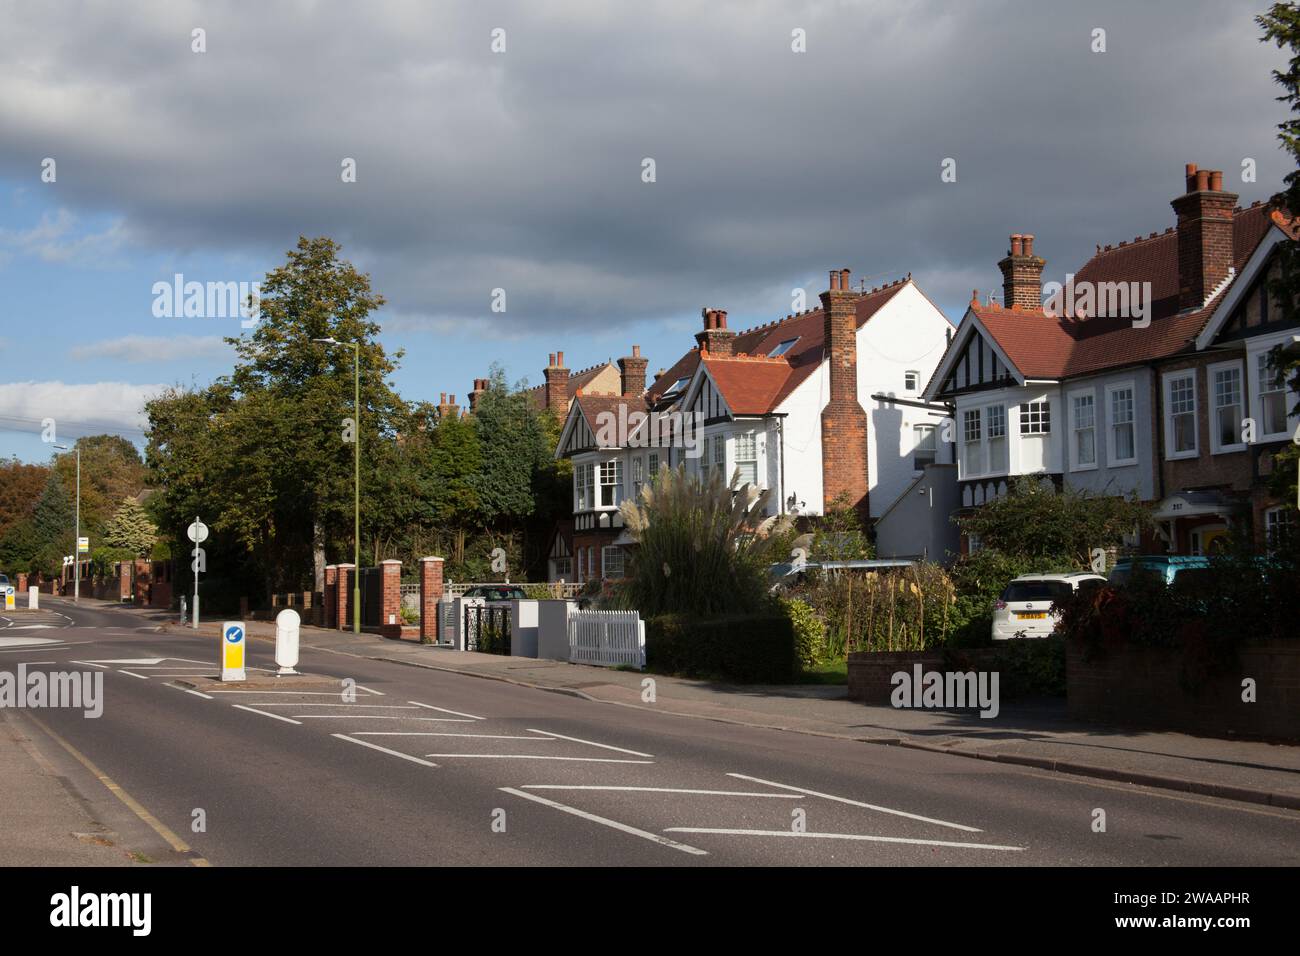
[487, 628]
[372, 597]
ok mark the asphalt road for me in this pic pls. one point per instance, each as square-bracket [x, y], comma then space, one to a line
[431, 768]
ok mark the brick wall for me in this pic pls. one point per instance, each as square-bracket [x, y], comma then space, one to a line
[390, 619]
[331, 596]
[1140, 686]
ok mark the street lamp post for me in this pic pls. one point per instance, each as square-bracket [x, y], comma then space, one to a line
[76, 532]
[356, 486]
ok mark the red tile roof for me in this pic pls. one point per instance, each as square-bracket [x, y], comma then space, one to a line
[754, 378]
[1045, 346]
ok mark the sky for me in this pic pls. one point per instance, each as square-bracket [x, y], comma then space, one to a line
[504, 146]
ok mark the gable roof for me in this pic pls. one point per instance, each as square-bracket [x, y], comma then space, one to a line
[1043, 346]
[751, 375]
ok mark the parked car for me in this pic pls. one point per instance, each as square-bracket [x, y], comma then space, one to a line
[1167, 566]
[5, 586]
[1025, 607]
[496, 592]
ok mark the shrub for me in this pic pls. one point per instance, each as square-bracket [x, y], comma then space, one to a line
[749, 649]
[809, 632]
[1026, 668]
[891, 610]
[702, 546]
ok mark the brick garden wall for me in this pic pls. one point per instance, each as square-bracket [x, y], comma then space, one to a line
[1142, 686]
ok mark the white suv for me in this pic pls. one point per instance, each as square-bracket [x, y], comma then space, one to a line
[1025, 607]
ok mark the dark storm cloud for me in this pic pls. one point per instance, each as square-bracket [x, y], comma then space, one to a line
[522, 170]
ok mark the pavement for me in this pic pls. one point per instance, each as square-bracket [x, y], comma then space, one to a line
[1033, 734]
[409, 756]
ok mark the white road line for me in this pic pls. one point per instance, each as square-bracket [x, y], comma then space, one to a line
[296, 693]
[445, 710]
[33, 663]
[540, 757]
[377, 693]
[254, 710]
[844, 836]
[856, 803]
[589, 743]
[133, 674]
[605, 821]
[441, 720]
[188, 691]
[431, 733]
[395, 753]
[712, 793]
[309, 703]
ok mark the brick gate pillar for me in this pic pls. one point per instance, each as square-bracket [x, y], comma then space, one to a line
[347, 575]
[331, 596]
[390, 621]
[430, 595]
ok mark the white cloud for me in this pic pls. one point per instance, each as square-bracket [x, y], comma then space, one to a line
[56, 238]
[152, 348]
[84, 409]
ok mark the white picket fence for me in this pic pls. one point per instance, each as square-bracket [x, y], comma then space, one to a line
[608, 638]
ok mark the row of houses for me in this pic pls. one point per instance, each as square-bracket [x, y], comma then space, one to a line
[1145, 372]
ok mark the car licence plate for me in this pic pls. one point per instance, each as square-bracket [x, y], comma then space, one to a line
[1032, 616]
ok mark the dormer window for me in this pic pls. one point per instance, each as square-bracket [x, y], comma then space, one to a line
[784, 347]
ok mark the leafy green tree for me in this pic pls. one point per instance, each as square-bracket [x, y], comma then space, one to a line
[1036, 521]
[111, 469]
[20, 488]
[131, 530]
[1281, 26]
[52, 529]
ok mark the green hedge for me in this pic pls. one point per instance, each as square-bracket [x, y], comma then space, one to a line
[747, 649]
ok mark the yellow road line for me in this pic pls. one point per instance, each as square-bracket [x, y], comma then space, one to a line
[177, 844]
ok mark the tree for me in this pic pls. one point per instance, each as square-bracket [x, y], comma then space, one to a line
[1036, 521]
[1281, 26]
[111, 469]
[52, 530]
[131, 530]
[20, 488]
[265, 454]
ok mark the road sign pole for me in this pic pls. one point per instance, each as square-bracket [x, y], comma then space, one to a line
[356, 491]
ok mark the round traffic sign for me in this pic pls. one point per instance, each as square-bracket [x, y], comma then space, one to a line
[198, 532]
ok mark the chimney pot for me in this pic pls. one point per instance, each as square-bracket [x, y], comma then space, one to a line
[550, 360]
[1202, 180]
[835, 280]
[844, 280]
[559, 359]
[1015, 245]
[1216, 180]
[636, 351]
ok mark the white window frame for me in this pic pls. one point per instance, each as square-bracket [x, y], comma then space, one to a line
[921, 434]
[751, 438]
[1113, 457]
[604, 481]
[583, 492]
[990, 438]
[1075, 428]
[1261, 384]
[605, 562]
[1211, 385]
[1275, 513]
[975, 415]
[638, 475]
[1031, 420]
[1167, 384]
[911, 380]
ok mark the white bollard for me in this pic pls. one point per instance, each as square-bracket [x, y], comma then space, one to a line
[286, 640]
[33, 599]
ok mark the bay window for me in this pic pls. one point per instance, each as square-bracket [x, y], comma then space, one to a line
[973, 443]
[611, 483]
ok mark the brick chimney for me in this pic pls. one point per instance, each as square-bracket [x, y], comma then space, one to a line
[631, 373]
[480, 386]
[1204, 236]
[557, 385]
[715, 338]
[1022, 275]
[844, 422]
[447, 408]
